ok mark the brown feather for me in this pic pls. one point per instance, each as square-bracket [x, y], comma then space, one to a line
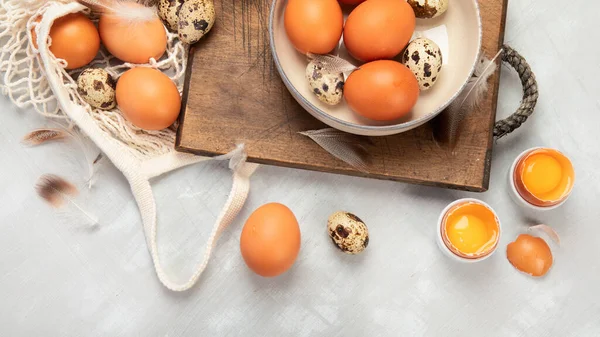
[58, 193]
[41, 136]
[98, 158]
[55, 189]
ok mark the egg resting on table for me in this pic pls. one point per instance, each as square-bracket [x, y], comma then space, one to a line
[348, 232]
[270, 240]
[314, 26]
[148, 98]
[97, 88]
[379, 29]
[75, 39]
[424, 58]
[133, 42]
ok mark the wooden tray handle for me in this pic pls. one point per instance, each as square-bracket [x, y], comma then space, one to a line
[530, 94]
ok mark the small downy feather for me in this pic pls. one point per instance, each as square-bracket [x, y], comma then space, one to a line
[89, 157]
[59, 133]
[332, 64]
[448, 123]
[347, 147]
[125, 9]
[41, 136]
[59, 193]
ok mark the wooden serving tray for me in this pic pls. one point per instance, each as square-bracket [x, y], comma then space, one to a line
[234, 94]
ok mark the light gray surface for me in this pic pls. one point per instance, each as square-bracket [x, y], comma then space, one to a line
[58, 279]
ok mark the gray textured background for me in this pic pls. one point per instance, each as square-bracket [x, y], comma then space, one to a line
[57, 279]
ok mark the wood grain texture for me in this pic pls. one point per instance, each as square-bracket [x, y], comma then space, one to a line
[233, 94]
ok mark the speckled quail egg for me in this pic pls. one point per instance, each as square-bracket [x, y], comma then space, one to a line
[97, 88]
[427, 9]
[196, 18]
[348, 232]
[424, 58]
[328, 87]
[168, 10]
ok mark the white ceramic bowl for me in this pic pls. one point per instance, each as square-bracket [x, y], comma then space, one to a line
[457, 32]
[440, 240]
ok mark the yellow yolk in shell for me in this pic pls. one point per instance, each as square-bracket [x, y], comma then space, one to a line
[471, 229]
[542, 174]
[544, 177]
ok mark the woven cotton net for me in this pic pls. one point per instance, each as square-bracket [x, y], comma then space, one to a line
[24, 80]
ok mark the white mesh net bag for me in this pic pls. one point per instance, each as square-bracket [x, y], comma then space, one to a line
[34, 78]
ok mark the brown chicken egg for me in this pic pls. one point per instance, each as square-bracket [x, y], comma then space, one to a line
[379, 29]
[148, 98]
[382, 90]
[530, 254]
[133, 42]
[270, 240]
[74, 38]
[314, 26]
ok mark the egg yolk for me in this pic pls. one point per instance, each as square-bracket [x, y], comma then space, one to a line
[544, 177]
[542, 173]
[471, 229]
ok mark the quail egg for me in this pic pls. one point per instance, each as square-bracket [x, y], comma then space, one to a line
[428, 9]
[328, 87]
[168, 10]
[424, 58]
[196, 18]
[97, 88]
[348, 232]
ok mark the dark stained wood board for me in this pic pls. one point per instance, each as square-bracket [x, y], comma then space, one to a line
[234, 94]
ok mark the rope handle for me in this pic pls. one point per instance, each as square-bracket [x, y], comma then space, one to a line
[530, 93]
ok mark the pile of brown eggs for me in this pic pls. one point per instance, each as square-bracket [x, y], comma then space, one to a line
[146, 97]
[375, 33]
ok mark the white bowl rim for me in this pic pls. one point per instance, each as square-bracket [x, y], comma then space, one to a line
[382, 128]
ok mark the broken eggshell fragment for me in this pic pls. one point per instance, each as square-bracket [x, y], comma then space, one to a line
[530, 254]
[196, 18]
[348, 232]
[328, 87]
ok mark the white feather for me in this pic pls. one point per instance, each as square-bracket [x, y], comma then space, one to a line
[469, 99]
[344, 146]
[89, 151]
[130, 11]
[332, 64]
